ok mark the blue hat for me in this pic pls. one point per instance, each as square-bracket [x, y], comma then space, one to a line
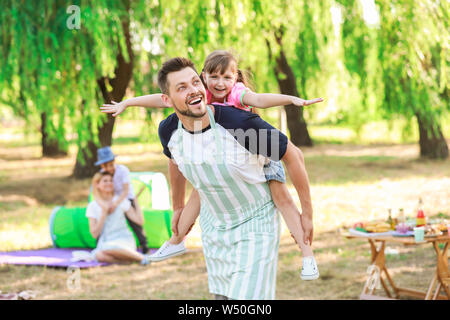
[104, 155]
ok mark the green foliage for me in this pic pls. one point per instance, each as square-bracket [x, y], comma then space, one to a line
[50, 68]
[364, 72]
[413, 53]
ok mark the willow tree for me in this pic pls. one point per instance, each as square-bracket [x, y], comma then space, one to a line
[106, 37]
[295, 37]
[64, 59]
[30, 82]
[413, 52]
[122, 28]
[358, 42]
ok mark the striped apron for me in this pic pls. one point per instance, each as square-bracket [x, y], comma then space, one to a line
[239, 222]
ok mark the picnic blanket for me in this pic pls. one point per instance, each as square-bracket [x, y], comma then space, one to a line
[50, 257]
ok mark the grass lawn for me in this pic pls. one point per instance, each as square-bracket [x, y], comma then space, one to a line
[349, 183]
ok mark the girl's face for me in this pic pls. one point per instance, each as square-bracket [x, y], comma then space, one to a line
[220, 84]
[105, 185]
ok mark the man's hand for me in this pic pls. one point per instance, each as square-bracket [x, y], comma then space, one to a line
[302, 103]
[115, 108]
[308, 229]
[175, 218]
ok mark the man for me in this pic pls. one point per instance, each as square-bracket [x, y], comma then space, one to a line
[239, 222]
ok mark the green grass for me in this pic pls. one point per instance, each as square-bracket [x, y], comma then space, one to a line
[349, 183]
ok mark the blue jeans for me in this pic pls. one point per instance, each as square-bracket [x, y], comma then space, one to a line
[274, 171]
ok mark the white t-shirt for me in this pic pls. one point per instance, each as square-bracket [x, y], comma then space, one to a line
[115, 233]
[121, 176]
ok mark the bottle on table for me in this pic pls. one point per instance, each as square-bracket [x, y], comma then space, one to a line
[420, 219]
[391, 221]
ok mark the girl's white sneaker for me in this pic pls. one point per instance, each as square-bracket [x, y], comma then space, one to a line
[168, 250]
[310, 271]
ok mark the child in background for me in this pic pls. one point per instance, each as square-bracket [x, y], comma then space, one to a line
[122, 189]
[225, 84]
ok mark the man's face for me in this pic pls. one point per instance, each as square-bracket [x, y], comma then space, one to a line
[186, 93]
[109, 167]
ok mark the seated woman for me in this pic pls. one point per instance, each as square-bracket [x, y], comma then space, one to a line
[116, 243]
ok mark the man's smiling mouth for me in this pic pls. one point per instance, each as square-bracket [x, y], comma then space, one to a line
[196, 100]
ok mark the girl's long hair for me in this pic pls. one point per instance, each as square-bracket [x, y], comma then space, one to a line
[95, 180]
[219, 61]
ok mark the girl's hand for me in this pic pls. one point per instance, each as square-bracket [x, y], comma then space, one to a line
[302, 103]
[115, 108]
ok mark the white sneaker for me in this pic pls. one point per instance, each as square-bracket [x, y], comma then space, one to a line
[168, 250]
[309, 269]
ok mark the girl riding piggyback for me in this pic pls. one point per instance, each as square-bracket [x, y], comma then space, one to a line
[225, 84]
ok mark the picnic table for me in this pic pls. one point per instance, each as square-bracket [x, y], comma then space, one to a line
[441, 278]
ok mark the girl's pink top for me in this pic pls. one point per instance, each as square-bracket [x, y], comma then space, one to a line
[234, 98]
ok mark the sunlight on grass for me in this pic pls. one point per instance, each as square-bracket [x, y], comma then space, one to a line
[375, 132]
[349, 183]
[25, 228]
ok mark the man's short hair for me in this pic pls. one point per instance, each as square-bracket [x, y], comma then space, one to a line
[172, 65]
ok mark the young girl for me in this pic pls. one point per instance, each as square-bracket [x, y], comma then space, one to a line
[225, 84]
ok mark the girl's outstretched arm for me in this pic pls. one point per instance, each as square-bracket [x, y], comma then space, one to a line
[267, 100]
[147, 101]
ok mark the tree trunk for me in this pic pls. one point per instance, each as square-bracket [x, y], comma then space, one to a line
[50, 145]
[431, 140]
[286, 81]
[87, 168]
[119, 84]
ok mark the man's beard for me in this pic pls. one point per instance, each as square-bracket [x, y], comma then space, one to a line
[189, 113]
